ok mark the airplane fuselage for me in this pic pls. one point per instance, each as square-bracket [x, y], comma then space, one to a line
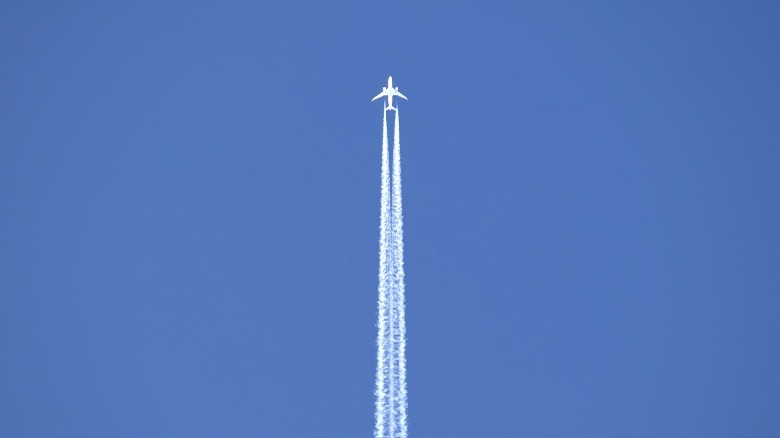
[389, 90]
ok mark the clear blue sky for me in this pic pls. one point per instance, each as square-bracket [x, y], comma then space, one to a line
[190, 217]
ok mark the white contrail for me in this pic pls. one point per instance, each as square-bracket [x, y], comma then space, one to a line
[384, 348]
[399, 299]
[391, 398]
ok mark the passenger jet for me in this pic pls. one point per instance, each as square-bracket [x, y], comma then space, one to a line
[389, 91]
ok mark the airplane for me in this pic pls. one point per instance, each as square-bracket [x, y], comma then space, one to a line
[389, 91]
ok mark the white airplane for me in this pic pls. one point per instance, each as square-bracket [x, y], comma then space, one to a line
[389, 91]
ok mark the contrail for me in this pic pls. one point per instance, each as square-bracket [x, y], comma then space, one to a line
[399, 299]
[391, 397]
[383, 346]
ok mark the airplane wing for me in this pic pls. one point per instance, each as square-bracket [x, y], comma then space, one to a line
[398, 93]
[378, 96]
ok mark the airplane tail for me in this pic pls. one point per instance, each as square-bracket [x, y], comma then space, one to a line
[389, 108]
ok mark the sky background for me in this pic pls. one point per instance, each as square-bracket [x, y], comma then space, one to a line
[190, 217]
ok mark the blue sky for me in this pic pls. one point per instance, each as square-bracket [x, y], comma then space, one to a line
[189, 231]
